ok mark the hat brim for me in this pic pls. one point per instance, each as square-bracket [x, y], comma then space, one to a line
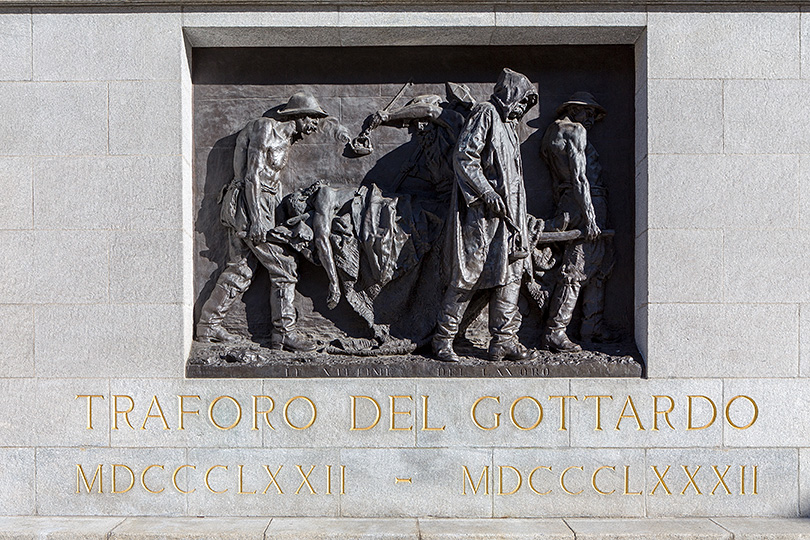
[600, 111]
[315, 113]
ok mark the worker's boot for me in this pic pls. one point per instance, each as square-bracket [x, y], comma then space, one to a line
[561, 311]
[509, 350]
[592, 305]
[209, 327]
[593, 327]
[558, 341]
[453, 307]
[504, 323]
[478, 301]
[443, 350]
[285, 336]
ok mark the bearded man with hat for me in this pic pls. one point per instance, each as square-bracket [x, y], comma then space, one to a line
[580, 193]
[249, 213]
[436, 124]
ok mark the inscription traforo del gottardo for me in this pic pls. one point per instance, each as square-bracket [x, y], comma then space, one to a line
[363, 414]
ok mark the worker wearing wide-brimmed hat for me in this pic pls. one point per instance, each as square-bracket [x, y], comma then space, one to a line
[436, 123]
[302, 104]
[582, 99]
[579, 193]
[249, 213]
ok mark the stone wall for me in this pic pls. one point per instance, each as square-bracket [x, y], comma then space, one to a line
[97, 228]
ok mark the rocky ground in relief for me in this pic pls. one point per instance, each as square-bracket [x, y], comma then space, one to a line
[247, 359]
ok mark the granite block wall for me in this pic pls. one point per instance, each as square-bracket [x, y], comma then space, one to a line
[97, 291]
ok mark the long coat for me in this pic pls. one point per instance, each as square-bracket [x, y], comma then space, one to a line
[487, 159]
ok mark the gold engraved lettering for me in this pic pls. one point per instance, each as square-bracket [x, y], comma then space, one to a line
[531, 482]
[394, 412]
[305, 481]
[627, 482]
[755, 480]
[114, 478]
[425, 417]
[720, 480]
[496, 415]
[622, 416]
[500, 479]
[89, 407]
[343, 479]
[328, 479]
[539, 413]
[183, 411]
[311, 420]
[241, 491]
[593, 480]
[656, 411]
[598, 410]
[208, 473]
[174, 478]
[158, 415]
[691, 481]
[238, 413]
[377, 414]
[143, 478]
[80, 477]
[273, 481]
[753, 417]
[257, 412]
[403, 480]
[742, 479]
[562, 409]
[660, 480]
[562, 481]
[467, 478]
[689, 425]
[118, 411]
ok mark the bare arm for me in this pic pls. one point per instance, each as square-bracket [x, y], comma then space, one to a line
[257, 167]
[576, 142]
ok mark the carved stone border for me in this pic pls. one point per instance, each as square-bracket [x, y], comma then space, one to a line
[469, 4]
[444, 26]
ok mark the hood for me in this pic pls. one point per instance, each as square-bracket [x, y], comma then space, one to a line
[512, 87]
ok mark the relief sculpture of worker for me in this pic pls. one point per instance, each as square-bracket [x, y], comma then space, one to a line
[249, 213]
[436, 124]
[580, 193]
[488, 240]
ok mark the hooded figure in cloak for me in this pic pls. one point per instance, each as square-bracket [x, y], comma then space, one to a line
[488, 241]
